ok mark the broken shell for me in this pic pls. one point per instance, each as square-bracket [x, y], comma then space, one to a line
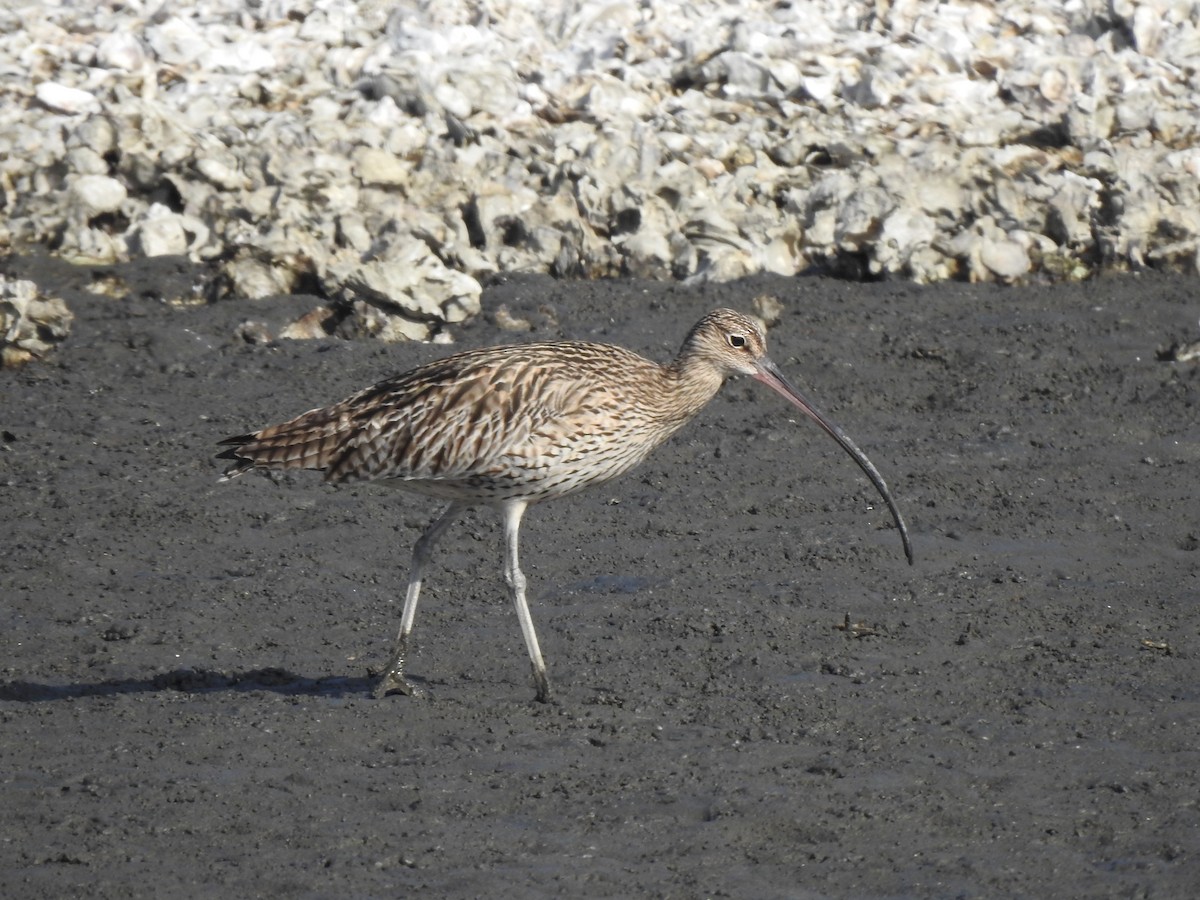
[31, 325]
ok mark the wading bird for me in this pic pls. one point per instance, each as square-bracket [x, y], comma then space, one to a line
[510, 426]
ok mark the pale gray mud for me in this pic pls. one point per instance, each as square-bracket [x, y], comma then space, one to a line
[755, 695]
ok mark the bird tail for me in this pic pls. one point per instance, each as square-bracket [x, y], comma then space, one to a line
[309, 441]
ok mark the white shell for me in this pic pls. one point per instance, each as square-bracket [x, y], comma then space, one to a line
[64, 99]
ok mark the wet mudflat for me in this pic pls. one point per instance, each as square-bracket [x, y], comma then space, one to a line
[755, 695]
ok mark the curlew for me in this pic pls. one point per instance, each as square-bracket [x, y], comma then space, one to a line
[510, 426]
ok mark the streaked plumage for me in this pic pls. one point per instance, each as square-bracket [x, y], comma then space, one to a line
[509, 426]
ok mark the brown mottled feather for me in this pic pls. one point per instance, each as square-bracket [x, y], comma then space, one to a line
[533, 420]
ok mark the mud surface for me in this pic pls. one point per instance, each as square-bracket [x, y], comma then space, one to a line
[755, 695]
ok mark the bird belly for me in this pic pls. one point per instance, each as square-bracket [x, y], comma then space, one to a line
[531, 476]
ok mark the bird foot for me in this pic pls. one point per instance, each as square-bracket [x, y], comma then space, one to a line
[393, 682]
[543, 686]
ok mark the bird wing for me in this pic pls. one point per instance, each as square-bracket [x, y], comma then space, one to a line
[540, 413]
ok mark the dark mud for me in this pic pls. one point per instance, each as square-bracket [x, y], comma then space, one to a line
[756, 696]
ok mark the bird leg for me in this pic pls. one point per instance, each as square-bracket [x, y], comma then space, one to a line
[393, 675]
[515, 579]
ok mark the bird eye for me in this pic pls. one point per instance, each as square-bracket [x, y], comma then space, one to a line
[737, 341]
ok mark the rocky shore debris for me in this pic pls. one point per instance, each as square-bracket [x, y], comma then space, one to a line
[390, 156]
[31, 325]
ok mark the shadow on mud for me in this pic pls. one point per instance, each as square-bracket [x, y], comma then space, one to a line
[193, 681]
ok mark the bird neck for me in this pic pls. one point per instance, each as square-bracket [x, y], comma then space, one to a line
[692, 382]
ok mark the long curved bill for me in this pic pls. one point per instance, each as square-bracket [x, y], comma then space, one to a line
[768, 373]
